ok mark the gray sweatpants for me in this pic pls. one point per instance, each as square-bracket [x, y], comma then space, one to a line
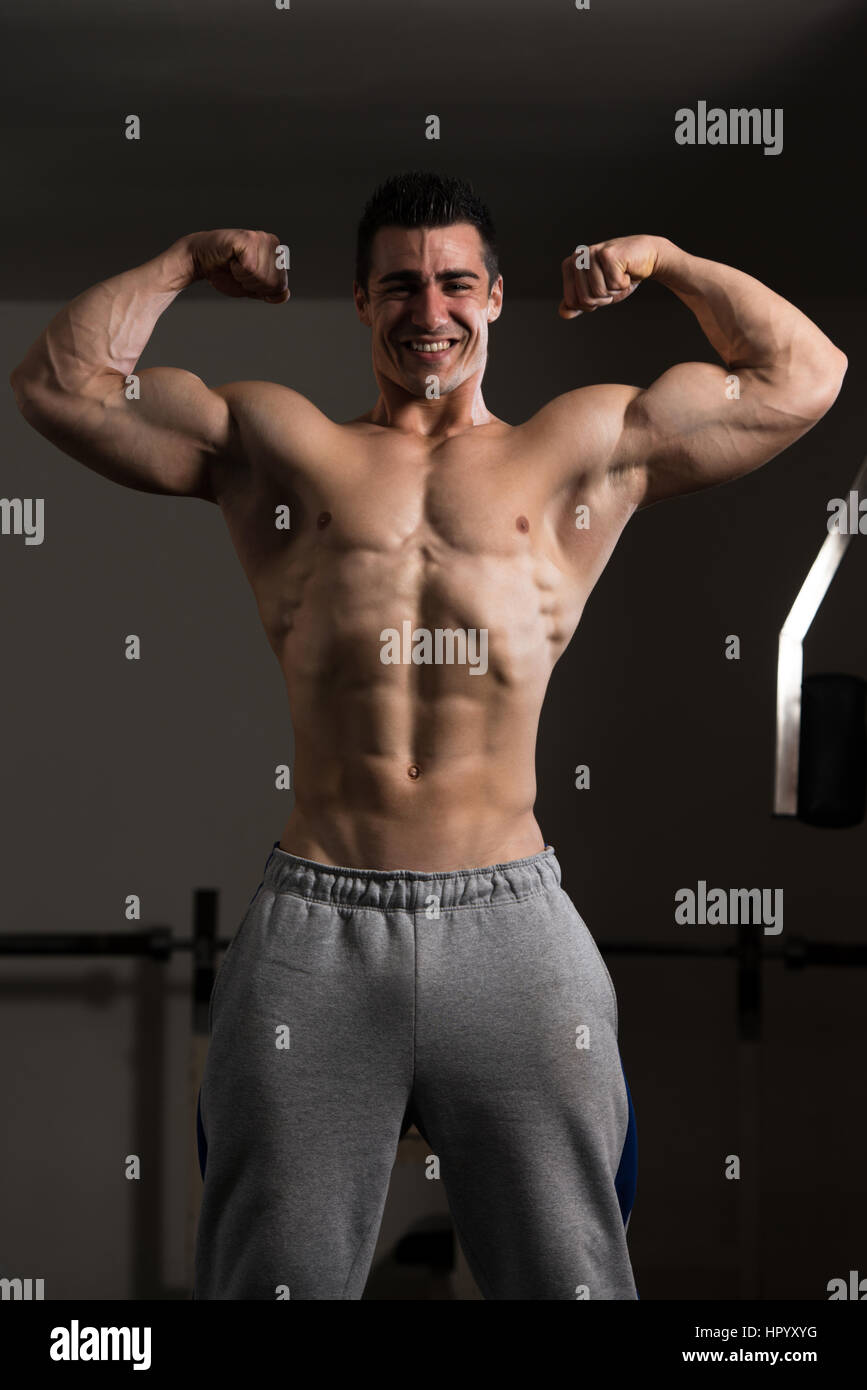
[474, 1004]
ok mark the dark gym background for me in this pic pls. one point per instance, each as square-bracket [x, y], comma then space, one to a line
[157, 777]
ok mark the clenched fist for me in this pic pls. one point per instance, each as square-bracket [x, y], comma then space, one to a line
[607, 272]
[239, 263]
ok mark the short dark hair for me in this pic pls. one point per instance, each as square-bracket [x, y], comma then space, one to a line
[422, 199]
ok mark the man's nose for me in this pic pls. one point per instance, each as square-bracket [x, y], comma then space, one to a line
[429, 309]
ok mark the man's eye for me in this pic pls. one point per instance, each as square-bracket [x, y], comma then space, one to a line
[456, 286]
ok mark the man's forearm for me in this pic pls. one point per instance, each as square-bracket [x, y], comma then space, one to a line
[749, 325]
[106, 328]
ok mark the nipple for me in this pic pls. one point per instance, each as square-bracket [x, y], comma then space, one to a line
[322, 520]
[522, 523]
[413, 771]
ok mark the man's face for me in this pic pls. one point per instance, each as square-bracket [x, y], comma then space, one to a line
[428, 286]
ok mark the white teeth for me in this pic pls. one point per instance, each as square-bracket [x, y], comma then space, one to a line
[431, 347]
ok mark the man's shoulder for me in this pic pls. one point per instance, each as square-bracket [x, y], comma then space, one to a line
[274, 429]
[601, 408]
[254, 397]
[581, 431]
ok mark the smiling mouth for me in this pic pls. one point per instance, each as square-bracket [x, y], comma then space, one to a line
[432, 348]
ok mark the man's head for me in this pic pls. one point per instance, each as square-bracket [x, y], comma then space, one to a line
[426, 273]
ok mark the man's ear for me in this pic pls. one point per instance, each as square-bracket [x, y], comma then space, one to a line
[495, 300]
[361, 303]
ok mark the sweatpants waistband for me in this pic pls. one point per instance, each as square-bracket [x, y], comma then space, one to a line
[408, 890]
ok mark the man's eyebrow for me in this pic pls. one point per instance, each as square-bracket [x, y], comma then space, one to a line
[413, 275]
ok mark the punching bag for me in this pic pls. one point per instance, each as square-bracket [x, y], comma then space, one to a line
[832, 767]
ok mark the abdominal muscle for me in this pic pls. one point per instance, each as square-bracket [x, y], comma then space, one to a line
[390, 781]
[421, 765]
[429, 834]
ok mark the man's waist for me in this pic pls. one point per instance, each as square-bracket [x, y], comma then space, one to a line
[423, 838]
[413, 783]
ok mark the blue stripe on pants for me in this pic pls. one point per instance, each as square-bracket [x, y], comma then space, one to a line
[626, 1181]
[200, 1136]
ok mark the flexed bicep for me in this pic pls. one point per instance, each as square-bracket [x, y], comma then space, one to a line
[158, 430]
[700, 424]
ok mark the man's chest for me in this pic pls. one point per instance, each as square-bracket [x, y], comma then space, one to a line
[456, 500]
[471, 527]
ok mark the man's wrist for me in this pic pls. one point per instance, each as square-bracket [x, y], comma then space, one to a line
[177, 266]
[670, 262]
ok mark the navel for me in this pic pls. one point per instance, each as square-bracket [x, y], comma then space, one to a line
[413, 771]
[322, 520]
[522, 523]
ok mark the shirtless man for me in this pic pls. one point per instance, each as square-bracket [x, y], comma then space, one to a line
[410, 954]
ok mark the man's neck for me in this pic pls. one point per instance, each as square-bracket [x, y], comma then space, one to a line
[454, 413]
